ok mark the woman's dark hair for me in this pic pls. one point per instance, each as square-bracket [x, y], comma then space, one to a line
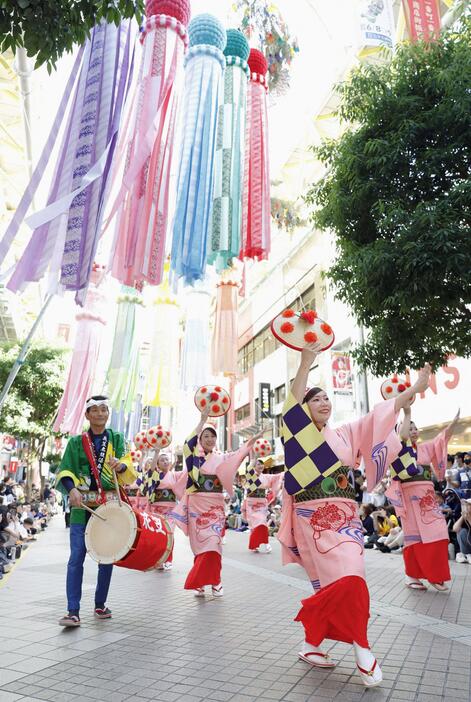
[211, 429]
[389, 509]
[368, 509]
[312, 392]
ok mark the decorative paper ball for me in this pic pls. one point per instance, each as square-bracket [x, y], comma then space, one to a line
[262, 447]
[257, 62]
[206, 29]
[141, 441]
[180, 9]
[394, 386]
[237, 44]
[215, 397]
[136, 456]
[158, 437]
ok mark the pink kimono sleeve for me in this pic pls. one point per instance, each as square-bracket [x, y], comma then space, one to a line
[227, 469]
[434, 453]
[181, 478]
[375, 438]
[274, 485]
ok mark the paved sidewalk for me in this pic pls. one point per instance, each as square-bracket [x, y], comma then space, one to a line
[163, 644]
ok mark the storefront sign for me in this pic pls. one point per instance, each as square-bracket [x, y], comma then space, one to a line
[341, 373]
[376, 23]
[423, 19]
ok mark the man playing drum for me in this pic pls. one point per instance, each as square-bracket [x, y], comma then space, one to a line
[86, 475]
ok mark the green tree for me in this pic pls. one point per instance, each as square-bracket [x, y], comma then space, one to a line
[32, 402]
[397, 196]
[49, 28]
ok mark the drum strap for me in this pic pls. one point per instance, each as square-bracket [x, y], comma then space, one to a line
[96, 465]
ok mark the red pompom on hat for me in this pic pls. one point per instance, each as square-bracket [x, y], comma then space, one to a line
[257, 62]
[310, 337]
[180, 9]
[309, 316]
[287, 327]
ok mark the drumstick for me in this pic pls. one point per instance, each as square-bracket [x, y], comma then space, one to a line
[93, 512]
[117, 488]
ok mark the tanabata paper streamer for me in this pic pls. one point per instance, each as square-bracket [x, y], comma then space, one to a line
[224, 241]
[91, 323]
[162, 378]
[123, 371]
[146, 146]
[225, 335]
[205, 64]
[196, 341]
[256, 198]
[67, 231]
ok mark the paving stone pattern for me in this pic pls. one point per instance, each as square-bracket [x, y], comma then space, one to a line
[164, 644]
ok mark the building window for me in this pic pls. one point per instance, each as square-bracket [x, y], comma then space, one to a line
[242, 413]
[280, 394]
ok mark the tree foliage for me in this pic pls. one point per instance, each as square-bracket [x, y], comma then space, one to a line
[32, 402]
[49, 28]
[397, 196]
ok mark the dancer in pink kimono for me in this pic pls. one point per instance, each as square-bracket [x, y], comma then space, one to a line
[321, 529]
[164, 487]
[413, 496]
[262, 489]
[137, 491]
[201, 514]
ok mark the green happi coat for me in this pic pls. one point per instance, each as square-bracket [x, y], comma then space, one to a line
[75, 465]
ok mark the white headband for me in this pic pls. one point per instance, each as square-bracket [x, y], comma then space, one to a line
[97, 403]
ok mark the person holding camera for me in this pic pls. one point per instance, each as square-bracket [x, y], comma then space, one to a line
[462, 529]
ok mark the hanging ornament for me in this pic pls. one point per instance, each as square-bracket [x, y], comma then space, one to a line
[91, 323]
[146, 146]
[123, 371]
[204, 68]
[263, 24]
[225, 334]
[224, 240]
[66, 232]
[256, 197]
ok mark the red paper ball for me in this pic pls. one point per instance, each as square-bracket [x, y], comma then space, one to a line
[326, 328]
[203, 402]
[180, 9]
[214, 396]
[203, 390]
[401, 387]
[287, 328]
[310, 337]
[389, 389]
[216, 408]
[217, 388]
[257, 62]
[288, 313]
[160, 433]
[225, 400]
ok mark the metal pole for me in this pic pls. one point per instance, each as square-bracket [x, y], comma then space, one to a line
[363, 380]
[24, 350]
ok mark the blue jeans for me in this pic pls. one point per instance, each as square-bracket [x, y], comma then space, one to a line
[75, 572]
[464, 540]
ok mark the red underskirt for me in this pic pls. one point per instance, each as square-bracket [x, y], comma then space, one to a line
[428, 561]
[258, 536]
[206, 571]
[339, 611]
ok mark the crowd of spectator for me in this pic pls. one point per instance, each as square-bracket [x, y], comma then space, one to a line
[382, 528]
[20, 520]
